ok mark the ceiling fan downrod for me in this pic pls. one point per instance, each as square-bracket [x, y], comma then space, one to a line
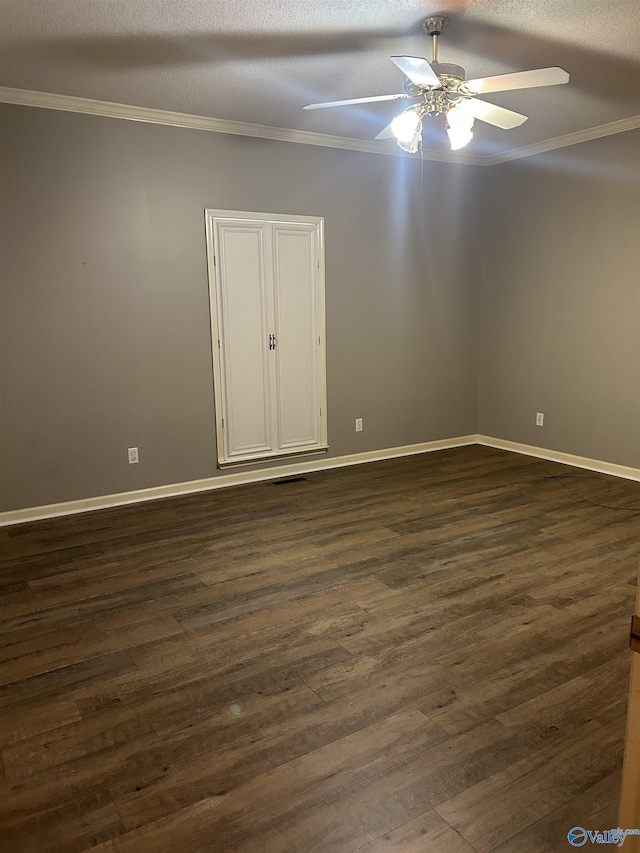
[434, 27]
[450, 75]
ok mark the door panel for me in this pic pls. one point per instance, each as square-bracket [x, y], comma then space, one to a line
[295, 276]
[629, 816]
[244, 335]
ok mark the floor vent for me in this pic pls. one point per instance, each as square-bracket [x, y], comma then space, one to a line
[287, 480]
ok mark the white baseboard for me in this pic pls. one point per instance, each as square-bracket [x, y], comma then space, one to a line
[624, 471]
[236, 478]
[306, 466]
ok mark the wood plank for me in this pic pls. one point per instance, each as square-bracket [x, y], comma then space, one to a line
[56, 682]
[75, 826]
[34, 718]
[308, 779]
[493, 811]
[422, 654]
[593, 809]
[426, 833]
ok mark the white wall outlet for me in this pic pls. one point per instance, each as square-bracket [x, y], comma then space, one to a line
[539, 418]
[132, 452]
[358, 424]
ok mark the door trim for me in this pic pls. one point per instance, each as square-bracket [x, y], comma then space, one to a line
[629, 814]
[216, 215]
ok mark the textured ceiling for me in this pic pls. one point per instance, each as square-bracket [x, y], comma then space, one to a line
[260, 62]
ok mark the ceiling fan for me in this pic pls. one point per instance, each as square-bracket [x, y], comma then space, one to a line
[440, 88]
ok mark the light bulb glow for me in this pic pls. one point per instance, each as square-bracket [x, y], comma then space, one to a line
[460, 121]
[407, 129]
[405, 125]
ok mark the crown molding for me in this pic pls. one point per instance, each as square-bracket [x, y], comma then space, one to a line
[88, 106]
[585, 135]
[109, 109]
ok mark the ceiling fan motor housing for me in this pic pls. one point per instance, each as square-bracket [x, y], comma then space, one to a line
[448, 69]
[451, 76]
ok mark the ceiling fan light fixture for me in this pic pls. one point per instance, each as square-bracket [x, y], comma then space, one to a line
[459, 125]
[413, 146]
[407, 129]
[442, 89]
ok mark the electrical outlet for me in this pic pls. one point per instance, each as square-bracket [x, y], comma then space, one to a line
[539, 418]
[358, 424]
[133, 455]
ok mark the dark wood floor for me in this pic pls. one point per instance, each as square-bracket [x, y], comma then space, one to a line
[425, 654]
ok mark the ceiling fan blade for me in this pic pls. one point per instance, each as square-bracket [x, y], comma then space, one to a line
[518, 80]
[387, 133]
[492, 114]
[417, 70]
[355, 101]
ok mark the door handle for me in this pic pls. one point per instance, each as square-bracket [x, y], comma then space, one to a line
[272, 341]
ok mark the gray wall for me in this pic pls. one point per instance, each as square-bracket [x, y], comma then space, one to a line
[561, 301]
[104, 321]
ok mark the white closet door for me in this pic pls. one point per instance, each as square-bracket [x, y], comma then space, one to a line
[267, 320]
[242, 295]
[295, 258]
